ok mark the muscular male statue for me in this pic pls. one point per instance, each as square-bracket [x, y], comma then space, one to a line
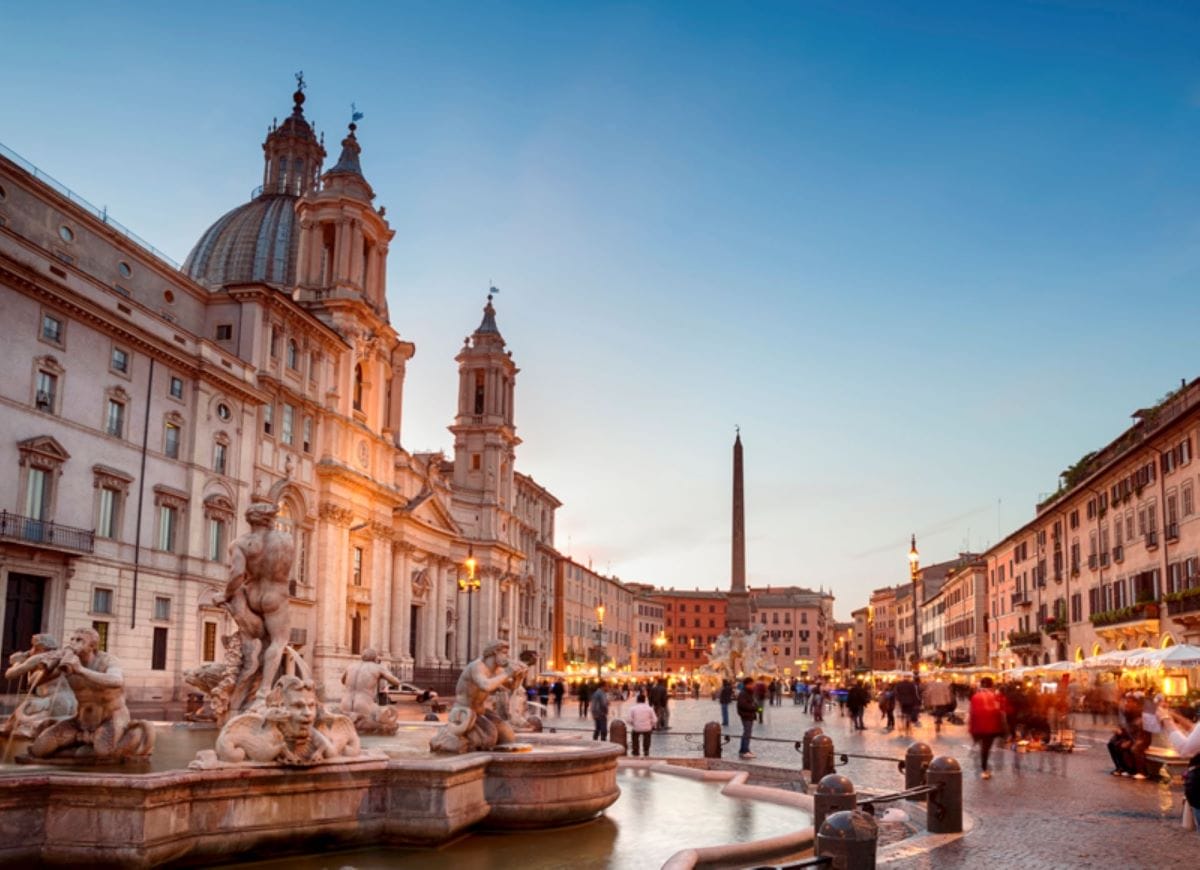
[470, 725]
[101, 727]
[361, 680]
[49, 699]
[256, 596]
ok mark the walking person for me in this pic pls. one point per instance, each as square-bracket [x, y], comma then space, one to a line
[760, 697]
[658, 700]
[726, 698]
[641, 722]
[856, 702]
[816, 702]
[557, 691]
[887, 706]
[747, 710]
[987, 721]
[599, 709]
[585, 694]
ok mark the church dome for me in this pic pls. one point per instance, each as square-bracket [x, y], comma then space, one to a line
[255, 242]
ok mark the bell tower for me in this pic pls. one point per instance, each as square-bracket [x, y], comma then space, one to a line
[343, 238]
[485, 438]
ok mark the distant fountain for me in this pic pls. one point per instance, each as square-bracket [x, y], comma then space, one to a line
[738, 653]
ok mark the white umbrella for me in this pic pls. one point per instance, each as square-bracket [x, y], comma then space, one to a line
[1184, 655]
[1114, 658]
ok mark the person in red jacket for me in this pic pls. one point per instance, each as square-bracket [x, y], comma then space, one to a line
[987, 720]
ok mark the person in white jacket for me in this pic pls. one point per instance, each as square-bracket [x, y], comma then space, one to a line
[642, 720]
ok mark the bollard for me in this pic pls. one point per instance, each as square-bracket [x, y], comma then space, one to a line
[617, 735]
[822, 757]
[945, 812]
[848, 838]
[915, 761]
[834, 794]
[806, 748]
[712, 740]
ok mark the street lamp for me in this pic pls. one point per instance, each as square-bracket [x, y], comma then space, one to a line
[469, 584]
[660, 644]
[914, 571]
[599, 639]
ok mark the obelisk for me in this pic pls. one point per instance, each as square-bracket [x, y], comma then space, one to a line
[737, 609]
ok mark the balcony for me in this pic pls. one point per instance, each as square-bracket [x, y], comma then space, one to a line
[1019, 599]
[1172, 531]
[358, 594]
[1024, 640]
[1118, 553]
[1093, 561]
[1151, 540]
[1184, 607]
[1134, 623]
[1104, 559]
[1074, 567]
[50, 536]
[1055, 626]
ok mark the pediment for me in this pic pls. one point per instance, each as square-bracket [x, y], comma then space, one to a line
[426, 507]
[43, 447]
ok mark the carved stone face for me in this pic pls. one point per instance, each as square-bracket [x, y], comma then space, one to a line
[83, 640]
[300, 706]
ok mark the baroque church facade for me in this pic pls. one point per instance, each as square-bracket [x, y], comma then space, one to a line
[145, 404]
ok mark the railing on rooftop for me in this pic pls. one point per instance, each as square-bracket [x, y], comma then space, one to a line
[101, 214]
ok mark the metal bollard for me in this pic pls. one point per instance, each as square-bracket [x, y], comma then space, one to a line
[834, 794]
[617, 735]
[849, 838]
[945, 812]
[712, 740]
[822, 757]
[806, 748]
[915, 761]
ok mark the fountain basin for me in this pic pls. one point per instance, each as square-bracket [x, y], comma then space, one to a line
[129, 819]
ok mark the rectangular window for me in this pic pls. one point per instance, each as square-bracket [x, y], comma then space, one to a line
[216, 539]
[37, 494]
[52, 329]
[102, 630]
[285, 426]
[208, 653]
[313, 367]
[120, 361]
[268, 419]
[220, 455]
[358, 565]
[114, 418]
[47, 392]
[168, 518]
[102, 600]
[162, 607]
[224, 331]
[106, 523]
[275, 341]
[307, 435]
[158, 654]
[176, 387]
[171, 441]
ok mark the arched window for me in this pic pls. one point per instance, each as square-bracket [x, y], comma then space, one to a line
[358, 387]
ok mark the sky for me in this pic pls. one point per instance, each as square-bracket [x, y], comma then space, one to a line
[925, 255]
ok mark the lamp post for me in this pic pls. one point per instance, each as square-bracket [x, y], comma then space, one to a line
[660, 644]
[914, 571]
[469, 584]
[599, 639]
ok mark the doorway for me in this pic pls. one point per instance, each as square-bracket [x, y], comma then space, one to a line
[23, 604]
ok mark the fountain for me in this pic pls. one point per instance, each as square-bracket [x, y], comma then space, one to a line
[284, 773]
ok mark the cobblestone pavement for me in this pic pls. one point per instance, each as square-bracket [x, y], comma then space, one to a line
[1040, 810]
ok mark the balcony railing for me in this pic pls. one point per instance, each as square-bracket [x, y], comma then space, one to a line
[1173, 531]
[1019, 599]
[1054, 626]
[1185, 602]
[1118, 553]
[1024, 638]
[1133, 613]
[1093, 561]
[41, 533]
[1151, 540]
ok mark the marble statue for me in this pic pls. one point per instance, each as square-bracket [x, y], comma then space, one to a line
[471, 723]
[101, 729]
[288, 729]
[737, 653]
[256, 596]
[48, 699]
[360, 700]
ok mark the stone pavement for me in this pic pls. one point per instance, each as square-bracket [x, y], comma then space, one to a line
[1040, 810]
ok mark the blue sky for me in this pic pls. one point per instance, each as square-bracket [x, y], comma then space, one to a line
[926, 255]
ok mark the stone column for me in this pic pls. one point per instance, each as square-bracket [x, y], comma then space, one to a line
[381, 552]
[435, 639]
[356, 257]
[401, 601]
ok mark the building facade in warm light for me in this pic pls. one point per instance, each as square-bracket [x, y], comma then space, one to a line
[590, 633]
[148, 401]
[863, 639]
[692, 622]
[884, 655]
[796, 628]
